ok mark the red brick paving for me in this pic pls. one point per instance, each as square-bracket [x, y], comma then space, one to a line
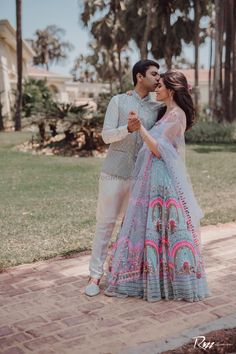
[43, 309]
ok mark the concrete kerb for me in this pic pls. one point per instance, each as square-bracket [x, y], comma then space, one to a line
[158, 347]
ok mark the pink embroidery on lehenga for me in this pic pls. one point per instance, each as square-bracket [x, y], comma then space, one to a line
[172, 201]
[182, 244]
[152, 244]
[168, 203]
[156, 201]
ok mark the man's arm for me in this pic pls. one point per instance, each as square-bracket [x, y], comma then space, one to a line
[111, 132]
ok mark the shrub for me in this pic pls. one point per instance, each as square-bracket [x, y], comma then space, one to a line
[211, 132]
[80, 126]
[37, 98]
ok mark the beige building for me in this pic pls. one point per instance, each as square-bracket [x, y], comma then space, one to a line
[8, 67]
[66, 90]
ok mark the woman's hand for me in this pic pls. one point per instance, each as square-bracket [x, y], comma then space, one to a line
[129, 93]
[134, 123]
[150, 141]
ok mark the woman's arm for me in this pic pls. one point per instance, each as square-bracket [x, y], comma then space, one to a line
[150, 141]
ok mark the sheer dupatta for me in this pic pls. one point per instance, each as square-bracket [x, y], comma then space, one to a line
[169, 135]
[171, 145]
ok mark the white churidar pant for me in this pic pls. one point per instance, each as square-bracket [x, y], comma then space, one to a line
[113, 196]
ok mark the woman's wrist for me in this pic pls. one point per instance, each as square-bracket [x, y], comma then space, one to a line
[143, 132]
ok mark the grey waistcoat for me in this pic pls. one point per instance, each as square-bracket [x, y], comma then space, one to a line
[121, 155]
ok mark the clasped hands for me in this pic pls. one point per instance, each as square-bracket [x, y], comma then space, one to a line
[134, 123]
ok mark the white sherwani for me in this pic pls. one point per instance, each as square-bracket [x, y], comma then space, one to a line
[115, 178]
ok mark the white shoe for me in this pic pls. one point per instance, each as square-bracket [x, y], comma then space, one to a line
[92, 289]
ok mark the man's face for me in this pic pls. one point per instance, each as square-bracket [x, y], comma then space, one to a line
[151, 80]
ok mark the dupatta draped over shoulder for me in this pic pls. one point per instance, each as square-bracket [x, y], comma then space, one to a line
[169, 135]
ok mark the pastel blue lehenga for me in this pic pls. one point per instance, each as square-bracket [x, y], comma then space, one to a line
[157, 254]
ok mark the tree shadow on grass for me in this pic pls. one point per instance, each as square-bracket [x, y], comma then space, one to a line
[205, 149]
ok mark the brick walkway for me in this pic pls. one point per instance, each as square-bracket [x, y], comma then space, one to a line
[43, 309]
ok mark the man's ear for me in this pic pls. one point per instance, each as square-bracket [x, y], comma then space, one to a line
[139, 77]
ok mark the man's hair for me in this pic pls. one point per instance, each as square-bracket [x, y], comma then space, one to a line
[141, 67]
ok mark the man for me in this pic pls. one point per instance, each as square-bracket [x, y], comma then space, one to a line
[120, 130]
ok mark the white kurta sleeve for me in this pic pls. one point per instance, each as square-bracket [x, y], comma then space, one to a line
[111, 131]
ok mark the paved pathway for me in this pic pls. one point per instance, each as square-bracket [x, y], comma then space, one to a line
[43, 309]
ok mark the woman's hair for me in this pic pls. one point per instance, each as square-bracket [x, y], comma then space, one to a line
[177, 82]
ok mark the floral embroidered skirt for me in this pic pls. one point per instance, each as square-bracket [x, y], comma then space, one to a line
[155, 256]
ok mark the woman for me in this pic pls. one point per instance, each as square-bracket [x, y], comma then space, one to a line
[157, 254]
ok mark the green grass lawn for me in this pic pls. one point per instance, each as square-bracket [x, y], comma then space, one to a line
[48, 203]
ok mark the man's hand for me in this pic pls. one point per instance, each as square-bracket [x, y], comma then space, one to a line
[134, 123]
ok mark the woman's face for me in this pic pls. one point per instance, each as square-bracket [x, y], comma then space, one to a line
[162, 93]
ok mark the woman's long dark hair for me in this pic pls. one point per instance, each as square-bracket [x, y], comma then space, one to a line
[177, 82]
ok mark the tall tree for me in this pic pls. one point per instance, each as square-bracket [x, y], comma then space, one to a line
[49, 46]
[158, 27]
[233, 108]
[173, 26]
[210, 34]
[1, 115]
[110, 36]
[147, 29]
[83, 70]
[224, 88]
[217, 88]
[98, 67]
[196, 52]
[19, 65]
[229, 13]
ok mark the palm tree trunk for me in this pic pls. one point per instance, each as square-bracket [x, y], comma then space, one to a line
[120, 70]
[168, 60]
[110, 85]
[196, 61]
[144, 43]
[228, 48]
[19, 65]
[233, 108]
[210, 72]
[217, 89]
[1, 117]
[168, 52]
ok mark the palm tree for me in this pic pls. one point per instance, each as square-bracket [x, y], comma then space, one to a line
[210, 34]
[229, 13]
[110, 36]
[217, 87]
[148, 25]
[233, 109]
[49, 46]
[19, 65]
[83, 69]
[196, 46]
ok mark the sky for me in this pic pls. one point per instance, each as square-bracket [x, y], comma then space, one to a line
[37, 14]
